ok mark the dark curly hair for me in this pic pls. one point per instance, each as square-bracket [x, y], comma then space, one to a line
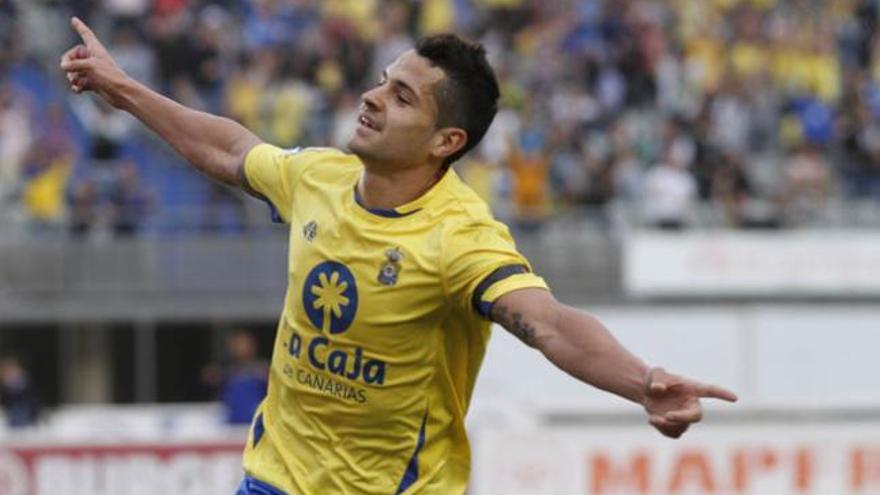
[468, 97]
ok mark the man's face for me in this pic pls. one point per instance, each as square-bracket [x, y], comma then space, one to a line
[397, 123]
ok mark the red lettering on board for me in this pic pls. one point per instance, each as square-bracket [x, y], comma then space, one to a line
[634, 477]
[865, 468]
[692, 468]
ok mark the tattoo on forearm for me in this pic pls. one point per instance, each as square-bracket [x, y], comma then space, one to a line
[514, 323]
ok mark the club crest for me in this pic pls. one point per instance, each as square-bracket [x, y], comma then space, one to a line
[310, 230]
[390, 269]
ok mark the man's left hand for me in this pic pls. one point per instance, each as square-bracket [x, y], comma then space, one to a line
[673, 402]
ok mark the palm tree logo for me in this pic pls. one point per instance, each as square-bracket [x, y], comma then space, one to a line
[330, 297]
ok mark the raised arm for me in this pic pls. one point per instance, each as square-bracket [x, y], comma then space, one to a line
[215, 145]
[581, 346]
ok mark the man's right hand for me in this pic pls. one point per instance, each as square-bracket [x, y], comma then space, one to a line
[215, 145]
[90, 67]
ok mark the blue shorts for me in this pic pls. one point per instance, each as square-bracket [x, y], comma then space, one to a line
[251, 486]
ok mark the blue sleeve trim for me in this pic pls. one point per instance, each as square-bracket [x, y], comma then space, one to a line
[259, 429]
[412, 469]
[273, 212]
[252, 486]
[485, 308]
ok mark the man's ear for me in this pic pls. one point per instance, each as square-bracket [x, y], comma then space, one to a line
[447, 141]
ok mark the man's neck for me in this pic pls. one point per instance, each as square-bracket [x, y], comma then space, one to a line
[388, 190]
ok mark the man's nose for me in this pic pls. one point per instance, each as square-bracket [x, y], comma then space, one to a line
[371, 99]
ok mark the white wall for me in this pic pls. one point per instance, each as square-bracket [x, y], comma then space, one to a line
[818, 356]
[837, 263]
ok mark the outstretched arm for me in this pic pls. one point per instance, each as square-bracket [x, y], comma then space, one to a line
[215, 145]
[581, 346]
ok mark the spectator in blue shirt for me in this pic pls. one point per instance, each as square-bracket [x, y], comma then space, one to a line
[242, 382]
[17, 397]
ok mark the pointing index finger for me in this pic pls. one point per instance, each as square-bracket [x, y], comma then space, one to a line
[716, 392]
[85, 33]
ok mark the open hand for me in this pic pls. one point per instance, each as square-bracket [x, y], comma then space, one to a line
[90, 67]
[673, 402]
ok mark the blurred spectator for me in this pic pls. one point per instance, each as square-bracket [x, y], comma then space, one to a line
[47, 170]
[207, 66]
[241, 382]
[83, 208]
[625, 164]
[737, 194]
[119, 207]
[104, 196]
[266, 24]
[17, 397]
[508, 122]
[130, 201]
[107, 128]
[167, 34]
[15, 139]
[345, 118]
[669, 193]
[132, 54]
[438, 16]
[8, 30]
[126, 12]
[732, 86]
[807, 184]
[247, 87]
[480, 174]
[860, 135]
[600, 188]
[731, 118]
[529, 164]
[568, 170]
[395, 39]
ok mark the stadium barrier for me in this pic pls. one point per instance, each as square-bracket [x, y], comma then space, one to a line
[780, 454]
[120, 468]
[783, 450]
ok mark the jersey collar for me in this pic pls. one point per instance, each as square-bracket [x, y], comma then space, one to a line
[407, 209]
[382, 212]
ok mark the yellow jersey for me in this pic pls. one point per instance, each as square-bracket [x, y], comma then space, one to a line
[384, 327]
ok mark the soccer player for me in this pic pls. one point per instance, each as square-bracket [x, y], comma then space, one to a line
[396, 272]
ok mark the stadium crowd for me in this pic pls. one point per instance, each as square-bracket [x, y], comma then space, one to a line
[760, 112]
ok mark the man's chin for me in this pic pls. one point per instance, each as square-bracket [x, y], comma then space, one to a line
[359, 148]
[353, 146]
